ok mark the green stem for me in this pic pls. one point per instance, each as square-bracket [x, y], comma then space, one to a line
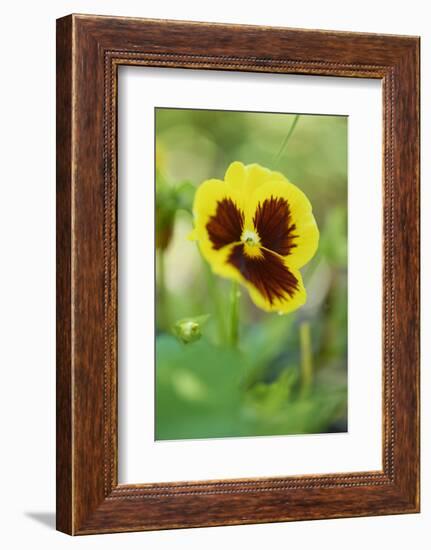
[162, 314]
[286, 140]
[234, 314]
[306, 357]
[216, 299]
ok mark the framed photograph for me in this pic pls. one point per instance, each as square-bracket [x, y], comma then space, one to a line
[237, 274]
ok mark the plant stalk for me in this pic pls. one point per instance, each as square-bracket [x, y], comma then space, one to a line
[162, 314]
[306, 357]
[286, 140]
[234, 315]
[218, 305]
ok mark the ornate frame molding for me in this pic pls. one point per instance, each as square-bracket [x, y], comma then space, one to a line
[89, 498]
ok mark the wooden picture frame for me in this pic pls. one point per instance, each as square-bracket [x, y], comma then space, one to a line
[89, 51]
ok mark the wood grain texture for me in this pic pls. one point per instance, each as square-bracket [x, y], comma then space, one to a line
[64, 495]
[90, 49]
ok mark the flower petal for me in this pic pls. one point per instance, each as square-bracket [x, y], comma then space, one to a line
[217, 218]
[235, 176]
[287, 304]
[297, 236]
[273, 222]
[247, 178]
[273, 286]
[257, 175]
[226, 224]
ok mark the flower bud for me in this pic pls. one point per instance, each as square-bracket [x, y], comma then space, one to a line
[190, 329]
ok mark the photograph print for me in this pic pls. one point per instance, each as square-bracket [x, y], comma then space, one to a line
[251, 273]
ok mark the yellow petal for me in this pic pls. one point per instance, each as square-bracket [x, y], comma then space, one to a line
[246, 178]
[192, 236]
[306, 231]
[285, 305]
[207, 197]
[257, 175]
[235, 176]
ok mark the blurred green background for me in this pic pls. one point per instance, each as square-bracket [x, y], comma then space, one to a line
[288, 374]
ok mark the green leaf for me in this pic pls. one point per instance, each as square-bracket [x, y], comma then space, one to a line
[198, 391]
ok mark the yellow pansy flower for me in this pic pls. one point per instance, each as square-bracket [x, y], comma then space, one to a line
[257, 228]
